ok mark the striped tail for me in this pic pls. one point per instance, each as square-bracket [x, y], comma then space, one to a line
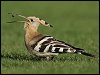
[78, 51]
[81, 51]
[87, 54]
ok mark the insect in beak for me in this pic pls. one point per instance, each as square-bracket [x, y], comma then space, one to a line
[13, 15]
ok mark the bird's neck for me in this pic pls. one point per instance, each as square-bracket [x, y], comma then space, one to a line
[31, 32]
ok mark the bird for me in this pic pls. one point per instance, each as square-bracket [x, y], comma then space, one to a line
[41, 45]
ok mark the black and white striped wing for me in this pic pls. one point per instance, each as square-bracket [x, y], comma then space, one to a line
[50, 44]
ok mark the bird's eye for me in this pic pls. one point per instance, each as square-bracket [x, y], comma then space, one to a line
[31, 20]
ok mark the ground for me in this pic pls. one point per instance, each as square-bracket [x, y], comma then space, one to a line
[76, 23]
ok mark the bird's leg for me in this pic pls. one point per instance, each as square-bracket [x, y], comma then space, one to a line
[49, 58]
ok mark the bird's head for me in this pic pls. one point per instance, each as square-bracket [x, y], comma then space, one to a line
[32, 21]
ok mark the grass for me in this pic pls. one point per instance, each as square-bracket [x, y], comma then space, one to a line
[76, 23]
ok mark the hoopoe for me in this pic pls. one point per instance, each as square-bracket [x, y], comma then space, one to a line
[44, 45]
